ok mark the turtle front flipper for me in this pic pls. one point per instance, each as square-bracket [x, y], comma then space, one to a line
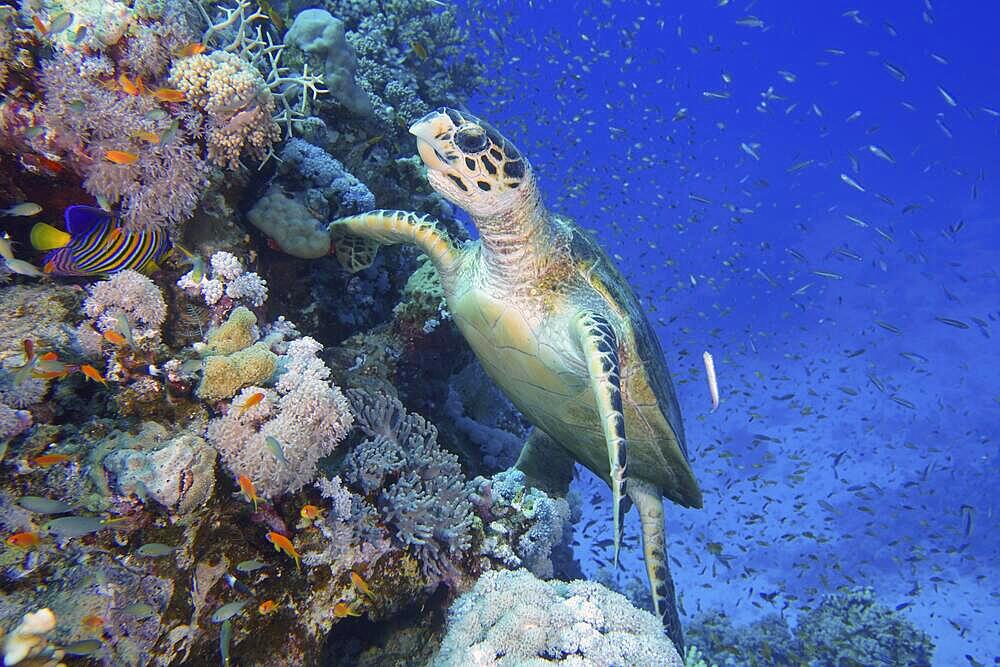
[600, 349]
[356, 238]
[649, 501]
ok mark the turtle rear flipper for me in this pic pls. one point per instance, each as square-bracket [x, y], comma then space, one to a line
[600, 350]
[649, 501]
[356, 239]
[545, 464]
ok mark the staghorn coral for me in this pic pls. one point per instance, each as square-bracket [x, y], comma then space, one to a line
[417, 487]
[305, 413]
[512, 618]
[85, 119]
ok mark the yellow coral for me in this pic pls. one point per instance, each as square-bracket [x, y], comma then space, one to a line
[239, 105]
[235, 334]
[226, 374]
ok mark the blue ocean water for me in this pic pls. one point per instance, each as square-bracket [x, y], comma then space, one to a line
[806, 190]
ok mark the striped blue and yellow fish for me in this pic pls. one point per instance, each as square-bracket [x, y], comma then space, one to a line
[95, 245]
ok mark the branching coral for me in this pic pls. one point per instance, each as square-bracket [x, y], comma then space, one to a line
[228, 278]
[417, 487]
[236, 104]
[304, 414]
[525, 523]
[247, 36]
[131, 295]
[512, 618]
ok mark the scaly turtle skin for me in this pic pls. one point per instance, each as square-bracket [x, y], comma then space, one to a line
[554, 324]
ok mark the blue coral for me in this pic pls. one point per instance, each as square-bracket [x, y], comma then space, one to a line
[417, 487]
[323, 171]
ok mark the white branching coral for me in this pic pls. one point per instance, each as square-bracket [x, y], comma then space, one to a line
[278, 442]
[228, 278]
[132, 295]
[249, 39]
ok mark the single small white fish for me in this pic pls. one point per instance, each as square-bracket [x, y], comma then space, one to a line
[23, 268]
[749, 150]
[881, 153]
[850, 181]
[6, 247]
[854, 116]
[22, 210]
[713, 385]
[947, 98]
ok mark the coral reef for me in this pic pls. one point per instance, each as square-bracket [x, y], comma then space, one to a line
[417, 487]
[524, 523]
[829, 634]
[303, 413]
[226, 285]
[515, 618]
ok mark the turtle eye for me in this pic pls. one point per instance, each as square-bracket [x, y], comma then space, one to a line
[471, 139]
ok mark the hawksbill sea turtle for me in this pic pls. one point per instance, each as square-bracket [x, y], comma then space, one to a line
[554, 324]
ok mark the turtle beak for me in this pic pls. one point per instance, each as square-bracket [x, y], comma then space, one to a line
[427, 130]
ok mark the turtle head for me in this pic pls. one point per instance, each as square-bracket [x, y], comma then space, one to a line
[471, 164]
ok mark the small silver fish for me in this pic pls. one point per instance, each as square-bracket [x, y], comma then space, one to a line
[60, 23]
[248, 566]
[850, 181]
[881, 153]
[139, 611]
[84, 647]
[23, 210]
[23, 268]
[227, 611]
[947, 98]
[274, 447]
[73, 526]
[155, 550]
[40, 505]
[225, 639]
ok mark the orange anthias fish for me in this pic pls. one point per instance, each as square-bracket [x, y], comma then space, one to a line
[93, 374]
[267, 607]
[249, 492]
[361, 584]
[310, 512]
[168, 95]
[127, 85]
[150, 137]
[121, 157]
[342, 609]
[46, 460]
[39, 26]
[115, 338]
[250, 402]
[24, 540]
[282, 543]
[192, 49]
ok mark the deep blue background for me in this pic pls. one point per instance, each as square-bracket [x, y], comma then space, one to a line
[592, 92]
